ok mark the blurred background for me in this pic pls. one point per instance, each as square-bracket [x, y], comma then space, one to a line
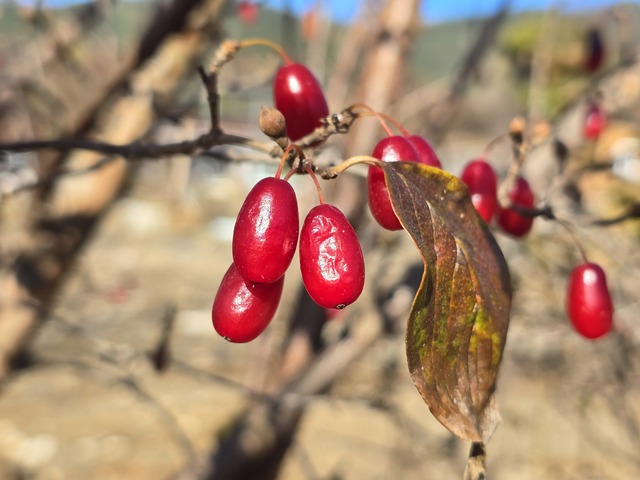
[109, 365]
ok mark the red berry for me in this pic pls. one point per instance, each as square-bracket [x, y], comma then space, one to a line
[242, 310]
[509, 219]
[298, 95]
[389, 149]
[594, 123]
[480, 178]
[248, 12]
[266, 231]
[426, 153]
[331, 259]
[589, 305]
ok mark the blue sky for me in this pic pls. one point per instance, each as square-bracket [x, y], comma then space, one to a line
[433, 11]
[443, 10]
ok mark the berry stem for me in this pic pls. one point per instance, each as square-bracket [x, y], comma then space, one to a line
[289, 174]
[250, 42]
[569, 228]
[494, 141]
[379, 116]
[285, 157]
[333, 172]
[395, 123]
[310, 171]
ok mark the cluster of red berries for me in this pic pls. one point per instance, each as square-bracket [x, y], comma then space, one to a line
[481, 180]
[267, 232]
[331, 261]
[264, 242]
[588, 303]
[394, 148]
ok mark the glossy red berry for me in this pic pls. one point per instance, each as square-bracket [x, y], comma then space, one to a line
[426, 153]
[594, 122]
[589, 305]
[299, 96]
[242, 309]
[389, 149]
[331, 259]
[265, 235]
[480, 179]
[509, 219]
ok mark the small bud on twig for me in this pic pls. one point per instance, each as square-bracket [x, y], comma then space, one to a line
[273, 125]
[516, 129]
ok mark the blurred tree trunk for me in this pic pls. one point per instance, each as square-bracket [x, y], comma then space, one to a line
[65, 214]
[384, 67]
[256, 443]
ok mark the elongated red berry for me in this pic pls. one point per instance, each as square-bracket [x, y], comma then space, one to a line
[389, 149]
[589, 305]
[426, 153]
[594, 122]
[299, 96]
[242, 309]
[480, 179]
[509, 219]
[331, 259]
[266, 232]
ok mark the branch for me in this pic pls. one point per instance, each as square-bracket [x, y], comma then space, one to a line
[137, 150]
[546, 211]
[27, 178]
[475, 463]
[632, 213]
[442, 118]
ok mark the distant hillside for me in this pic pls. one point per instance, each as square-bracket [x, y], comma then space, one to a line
[438, 48]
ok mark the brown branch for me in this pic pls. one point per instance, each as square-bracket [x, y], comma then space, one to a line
[547, 212]
[475, 463]
[210, 82]
[441, 119]
[337, 123]
[632, 213]
[333, 124]
[137, 150]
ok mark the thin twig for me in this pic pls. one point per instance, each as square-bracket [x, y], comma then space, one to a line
[210, 81]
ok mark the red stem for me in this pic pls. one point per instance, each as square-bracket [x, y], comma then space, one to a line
[315, 180]
[395, 123]
[285, 157]
[371, 111]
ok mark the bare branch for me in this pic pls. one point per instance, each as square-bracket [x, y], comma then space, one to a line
[211, 85]
[137, 150]
[441, 120]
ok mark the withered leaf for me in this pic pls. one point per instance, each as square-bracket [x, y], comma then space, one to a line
[458, 323]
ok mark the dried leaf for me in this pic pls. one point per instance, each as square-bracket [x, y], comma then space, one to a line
[458, 324]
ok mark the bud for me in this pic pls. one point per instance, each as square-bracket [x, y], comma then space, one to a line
[516, 129]
[272, 123]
